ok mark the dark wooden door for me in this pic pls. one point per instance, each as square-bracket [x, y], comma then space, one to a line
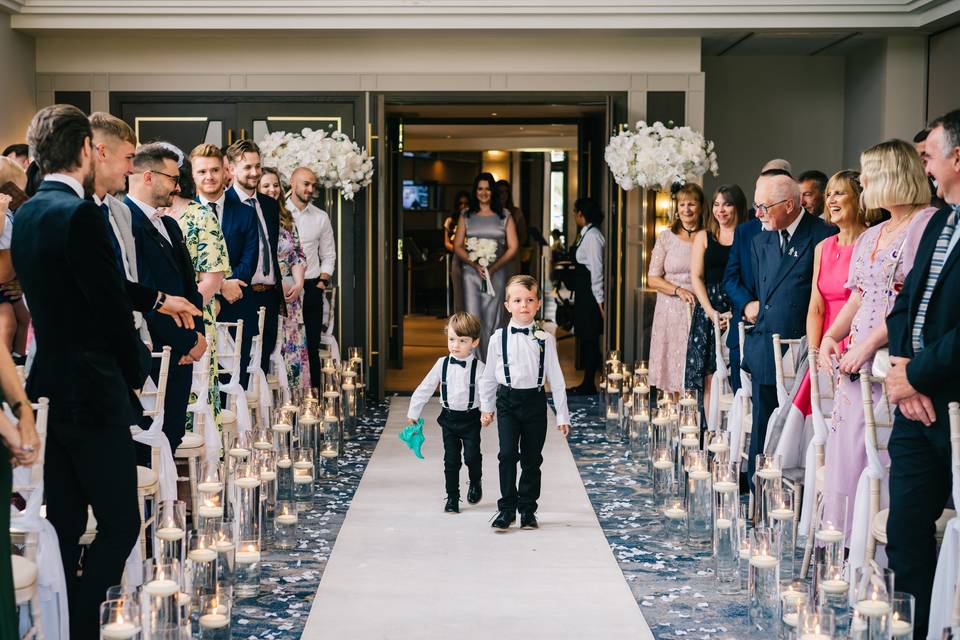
[185, 124]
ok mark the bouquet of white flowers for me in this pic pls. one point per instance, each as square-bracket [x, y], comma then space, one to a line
[338, 161]
[483, 251]
[656, 156]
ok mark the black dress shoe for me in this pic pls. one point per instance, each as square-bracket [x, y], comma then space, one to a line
[474, 493]
[452, 506]
[504, 519]
[528, 521]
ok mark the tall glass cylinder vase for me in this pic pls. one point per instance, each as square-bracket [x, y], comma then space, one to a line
[816, 624]
[170, 531]
[266, 462]
[159, 599]
[764, 580]
[355, 362]
[726, 545]
[210, 495]
[872, 598]
[794, 600]
[664, 477]
[310, 428]
[781, 516]
[901, 625]
[829, 540]
[699, 500]
[214, 615]
[239, 453]
[283, 420]
[769, 472]
[226, 548]
[330, 449]
[285, 525]
[284, 475]
[330, 374]
[833, 591]
[689, 416]
[614, 401]
[746, 543]
[247, 508]
[263, 440]
[247, 577]
[718, 445]
[200, 574]
[303, 477]
[350, 410]
[639, 436]
[332, 415]
[120, 620]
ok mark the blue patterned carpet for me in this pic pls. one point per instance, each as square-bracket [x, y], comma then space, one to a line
[673, 586]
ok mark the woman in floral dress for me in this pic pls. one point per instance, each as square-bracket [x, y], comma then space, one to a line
[293, 264]
[208, 250]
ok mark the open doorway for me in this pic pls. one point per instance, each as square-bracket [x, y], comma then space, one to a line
[549, 155]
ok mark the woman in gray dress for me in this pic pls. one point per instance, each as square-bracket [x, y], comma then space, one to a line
[485, 219]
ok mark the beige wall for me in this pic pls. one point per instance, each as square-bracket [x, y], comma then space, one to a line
[18, 70]
[943, 88]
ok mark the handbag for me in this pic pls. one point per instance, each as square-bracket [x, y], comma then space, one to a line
[881, 359]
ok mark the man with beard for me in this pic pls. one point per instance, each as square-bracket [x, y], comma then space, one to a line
[163, 262]
[88, 358]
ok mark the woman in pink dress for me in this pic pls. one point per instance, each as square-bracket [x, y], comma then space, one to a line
[893, 178]
[831, 265]
[669, 276]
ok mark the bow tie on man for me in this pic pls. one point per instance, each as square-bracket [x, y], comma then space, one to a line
[461, 363]
[516, 330]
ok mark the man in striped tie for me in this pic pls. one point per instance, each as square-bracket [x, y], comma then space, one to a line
[924, 336]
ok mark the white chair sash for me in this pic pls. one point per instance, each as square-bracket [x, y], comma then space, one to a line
[227, 355]
[201, 408]
[943, 599]
[720, 377]
[257, 374]
[820, 431]
[280, 365]
[154, 437]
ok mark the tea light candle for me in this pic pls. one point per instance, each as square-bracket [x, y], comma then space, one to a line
[214, 621]
[615, 376]
[302, 464]
[248, 483]
[769, 474]
[717, 447]
[268, 476]
[119, 630]
[328, 370]
[210, 511]
[248, 556]
[170, 533]
[744, 553]
[287, 518]
[762, 561]
[302, 479]
[641, 388]
[900, 628]
[161, 587]
[793, 598]
[690, 443]
[791, 618]
[689, 429]
[210, 487]
[262, 445]
[663, 464]
[688, 402]
[816, 636]
[675, 512]
[282, 428]
[725, 486]
[328, 453]
[284, 463]
[830, 535]
[239, 452]
[835, 586]
[872, 608]
[661, 422]
[203, 555]
[723, 523]
[699, 474]
[781, 513]
[223, 546]
[349, 386]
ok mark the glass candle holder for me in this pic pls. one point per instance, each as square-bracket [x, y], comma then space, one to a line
[794, 599]
[283, 421]
[726, 545]
[700, 529]
[833, 589]
[266, 462]
[639, 436]
[901, 624]
[284, 475]
[816, 624]
[170, 530]
[200, 569]
[664, 477]
[247, 576]
[674, 515]
[769, 472]
[351, 410]
[285, 525]
[330, 373]
[120, 620]
[661, 434]
[613, 407]
[330, 449]
[764, 580]
[214, 618]
[829, 538]
[238, 453]
[718, 445]
[745, 542]
[210, 494]
[688, 398]
[303, 476]
[226, 550]
[872, 598]
[781, 515]
[122, 592]
[309, 429]
[247, 508]
[159, 598]
[689, 417]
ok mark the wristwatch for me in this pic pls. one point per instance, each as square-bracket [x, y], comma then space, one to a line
[161, 299]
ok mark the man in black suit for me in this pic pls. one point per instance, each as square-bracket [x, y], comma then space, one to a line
[88, 359]
[783, 270]
[265, 286]
[164, 263]
[924, 339]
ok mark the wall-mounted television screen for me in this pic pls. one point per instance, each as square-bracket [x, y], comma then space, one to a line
[419, 195]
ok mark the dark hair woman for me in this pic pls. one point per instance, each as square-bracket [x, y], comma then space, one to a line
[588, 289]
[461, 203]
[486, 242]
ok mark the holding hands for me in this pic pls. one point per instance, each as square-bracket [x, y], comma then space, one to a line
[564, 429]
[486, 419]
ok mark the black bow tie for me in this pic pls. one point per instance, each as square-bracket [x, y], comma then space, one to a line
[515, 330]
[462, 363]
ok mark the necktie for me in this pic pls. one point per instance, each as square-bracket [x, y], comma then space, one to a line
[937, 261]
[264, 245]
[460, 363]
[117, 253]
[213, 207]
[785, 240]
[516, 330]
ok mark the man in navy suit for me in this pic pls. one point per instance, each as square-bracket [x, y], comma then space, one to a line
[88, 359]
[264, 287]
[163, 262]
[783, 268]
[924, 339]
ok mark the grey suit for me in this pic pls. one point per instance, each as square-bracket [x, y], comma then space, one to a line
[121, 223]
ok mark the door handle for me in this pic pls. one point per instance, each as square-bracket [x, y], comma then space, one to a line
[243, 134]
[229, 137]
[400, 249]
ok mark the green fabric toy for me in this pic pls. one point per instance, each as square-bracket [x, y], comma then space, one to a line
[412, 436]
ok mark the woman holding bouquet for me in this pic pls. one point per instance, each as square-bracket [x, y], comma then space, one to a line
[486, 243]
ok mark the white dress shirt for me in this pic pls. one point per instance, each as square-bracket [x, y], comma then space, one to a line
[219, 204]
[523, 358]
[116, 232]
[590, 255]
[316, 237]
[458, 387]
[151, 214]
[791, 230]
[258, 276]
[70, 181]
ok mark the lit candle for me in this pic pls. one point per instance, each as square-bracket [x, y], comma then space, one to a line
[248, 483]
[763, 561]
[723, 523]
[262, 445]
[769, 474]
[170, 534]
[239, 452]
[210, 511]
[328, 453]
[675, 512]
[725, 486]
[781, 513]
[790, 618]
[118, 630]
[835, 586]
[830, 535]
[287, 518]
[900, 628]
[161, 587]
[641, 388]
[688, 429]
[202, 555]
[873, 608]
[718, 447]
[349, 386]
[268, 476]
[663, 464]
[210, 487]
[214, 621]
[282, 428]
[248, 556]
[284, 463]
[223, 546]
[699, 474]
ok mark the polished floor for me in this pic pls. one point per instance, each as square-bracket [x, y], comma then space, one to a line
[424, 342]
[402, 568]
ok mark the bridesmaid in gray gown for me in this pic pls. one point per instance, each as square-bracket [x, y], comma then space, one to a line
[485, 218]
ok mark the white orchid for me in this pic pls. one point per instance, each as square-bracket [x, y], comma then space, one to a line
[339, 162]
[656, 156]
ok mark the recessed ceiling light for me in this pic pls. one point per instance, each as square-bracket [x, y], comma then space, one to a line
[494, 113]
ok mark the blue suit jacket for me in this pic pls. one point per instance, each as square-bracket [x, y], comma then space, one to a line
[738, 279]
[168, 268]
[783, 289]
[240, 233]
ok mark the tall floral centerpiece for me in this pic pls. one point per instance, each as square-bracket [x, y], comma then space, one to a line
[657, 156]
[339, 162]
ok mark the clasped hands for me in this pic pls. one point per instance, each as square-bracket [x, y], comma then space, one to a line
[912, 404]
[196, 353]
[21, 439]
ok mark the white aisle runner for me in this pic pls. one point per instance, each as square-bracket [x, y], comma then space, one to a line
[402, 568]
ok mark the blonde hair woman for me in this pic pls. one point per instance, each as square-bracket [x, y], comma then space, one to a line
[893, 178]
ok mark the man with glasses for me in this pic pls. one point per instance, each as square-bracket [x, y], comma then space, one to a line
[783, 267]
[164, 263]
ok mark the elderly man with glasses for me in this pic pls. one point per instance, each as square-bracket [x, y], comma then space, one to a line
[783, 268]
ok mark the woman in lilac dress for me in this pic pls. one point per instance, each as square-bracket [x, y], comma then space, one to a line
[893, 179]
[669, 276]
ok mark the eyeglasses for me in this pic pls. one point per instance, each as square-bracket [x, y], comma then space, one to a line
[764, 209]
[176, 179]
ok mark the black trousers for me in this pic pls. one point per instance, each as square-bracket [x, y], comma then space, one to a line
[461, 430]
[920, 480]
[522, 426]
[95, 466]
[764, 403]
[590, 359]
[246, 309]
[179, 381]
[313, 317]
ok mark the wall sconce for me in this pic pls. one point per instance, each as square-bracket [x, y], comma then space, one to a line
[664, 211]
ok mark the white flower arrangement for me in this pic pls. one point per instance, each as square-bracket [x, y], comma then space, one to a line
[483, 251]
[656, 156]
[338, 161]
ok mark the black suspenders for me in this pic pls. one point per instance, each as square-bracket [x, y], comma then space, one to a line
[443, 384]
[506, 362]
